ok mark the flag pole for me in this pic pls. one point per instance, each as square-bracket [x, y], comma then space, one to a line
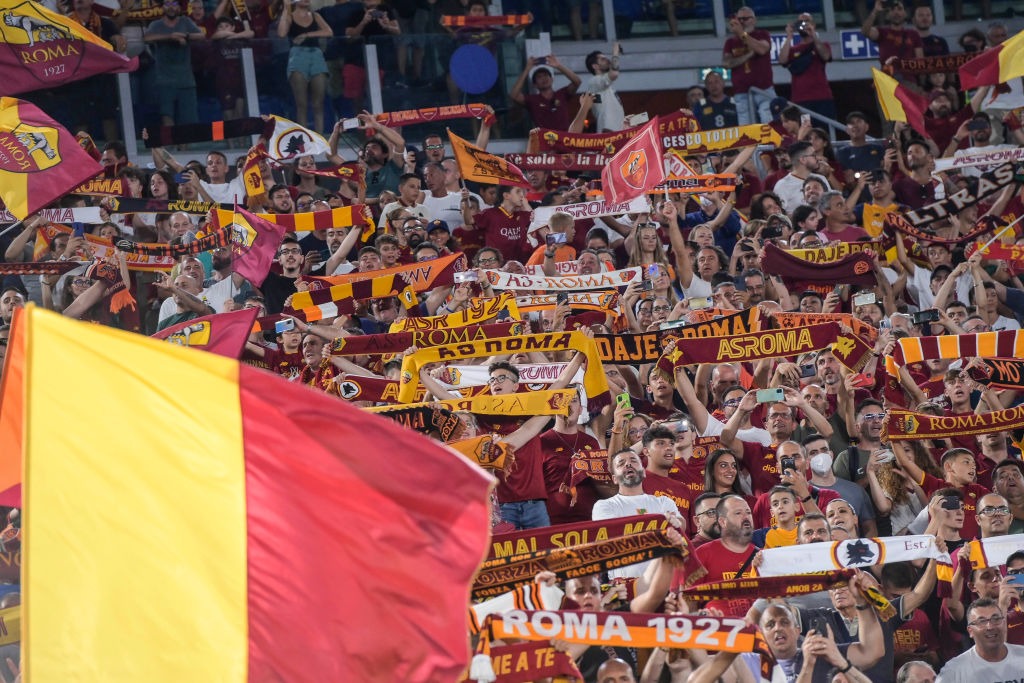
[12, 226]
[982, 249]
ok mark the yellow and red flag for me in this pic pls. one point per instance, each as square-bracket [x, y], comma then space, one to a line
[257, 525]
[42, 49]
[222, 333]
[995, 65]
[899, 103]
[477, 165]
[637, 167]
[254, 244]
[39, 160]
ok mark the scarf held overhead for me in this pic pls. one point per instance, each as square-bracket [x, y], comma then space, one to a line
[555, 402]
[906, 424]
[524, 543]
[594, 382]
[617, 278]
[398, 342]
[480, 311]
[854, 269]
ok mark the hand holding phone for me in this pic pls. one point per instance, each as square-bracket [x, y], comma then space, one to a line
[775, 395]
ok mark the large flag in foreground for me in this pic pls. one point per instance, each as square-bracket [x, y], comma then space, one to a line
[42, 49]
[39, 160]
[212, 522]
[995, 65]
[637, 167]
[899, 103]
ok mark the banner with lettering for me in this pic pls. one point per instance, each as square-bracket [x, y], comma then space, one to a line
[790, 320]
[527, 596]
[594, 381]
[852, 553]
[994, 157]
[551, 161]
[604, 302]
[907, 424]
[501, 575]
[1002, 373]
[716, 182]
[848, 349]
[372, 389]
[935, 64]
[398, 342]
[836, 251]
[625, 629]
[581, 210]
[554, 402]
[616, 278]
[670, 127]
[989, 182]
[853, 269]
[997, 251]
[531, 374]
[89, 215]
[102, 249]
[524, 543]
[409, 117]
[479, 311]
[526, 662]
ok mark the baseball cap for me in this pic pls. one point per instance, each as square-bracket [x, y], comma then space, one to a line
[856, 115]
[438, 224]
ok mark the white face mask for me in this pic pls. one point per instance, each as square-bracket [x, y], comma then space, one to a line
[821, 463]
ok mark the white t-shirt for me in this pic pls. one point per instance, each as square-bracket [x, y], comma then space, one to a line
[610, 113]
[791, 190]
[628, 506]
[971, 668]
[416, 210]
[447, 208]
[715, 427]
[225, 193]
[698, 288]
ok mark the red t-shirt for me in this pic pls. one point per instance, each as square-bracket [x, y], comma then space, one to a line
[914, 195]
[762, 509]
[471, 241]
[760, 462]
[811, 84]
[721, 564]
[549, 113]
[916, 636]
[972, 493]
[558, 450]
[755, 72]
[285, 364]
[506, 232]
[690, 472]
[849, 233]
[525, 481]
[942, 130]
[657, 485]
[897, 42]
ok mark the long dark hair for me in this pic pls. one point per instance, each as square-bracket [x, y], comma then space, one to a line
[709, 468]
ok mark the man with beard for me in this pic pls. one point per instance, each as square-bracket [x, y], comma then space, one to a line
[871, 214]
[228, 284]
[1008, 480]
[852, 464]
[279, 286]
[991, 450]
[705, 519]
[780, 421]
[804, 162]
[628, 474]
[806, 498]
[918, 188]
[383, 169]
[942, 123]
[731, 554]
[172, 64]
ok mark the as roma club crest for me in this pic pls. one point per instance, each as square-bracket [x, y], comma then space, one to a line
[29, 149]
[47, 51]
[634, 171]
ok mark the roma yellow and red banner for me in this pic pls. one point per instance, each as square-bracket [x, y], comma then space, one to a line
[39, 160]
[998, 64]
[477, 165]
[45, 49]
[899, 103]
[222, 333]
[245, 525]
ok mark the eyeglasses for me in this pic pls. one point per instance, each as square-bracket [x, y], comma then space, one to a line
[682, 428]
[632, 432]
[487, 259]
[303, 205]
[82, 282]
[994, 510]
[779, 416]
[497, 379]
[291, 252]
[434, 146]
[873, 416]
[661, 309]
[732, 402]
[745, 18]
[712, 511]
[421, 259]
[993, 620]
